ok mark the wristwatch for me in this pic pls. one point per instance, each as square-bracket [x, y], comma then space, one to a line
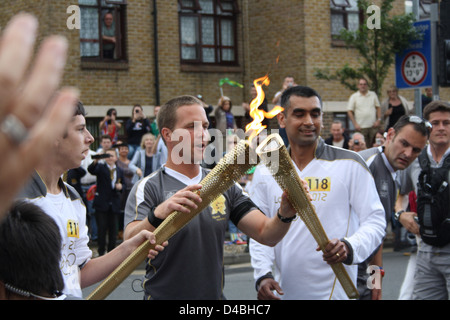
[397, 214]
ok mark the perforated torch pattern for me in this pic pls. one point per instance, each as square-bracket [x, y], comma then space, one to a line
[287, 178]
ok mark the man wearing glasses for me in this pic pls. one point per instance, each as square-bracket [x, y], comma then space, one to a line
[432, 263]
[404, 142]
[364, 111]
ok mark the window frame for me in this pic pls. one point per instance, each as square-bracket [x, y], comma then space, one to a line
[119, 12]
[342, 9]
[195, 11]
[116, 1]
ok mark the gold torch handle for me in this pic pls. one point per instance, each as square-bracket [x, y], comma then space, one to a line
[164, 232]
[274, 155]
[229, 170]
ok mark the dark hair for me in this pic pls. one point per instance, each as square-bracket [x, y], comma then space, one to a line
[110, 111]
[222, 102]
[134, 107]
[79, 110]
[435, 106]
[419, 127]
[299, 91]
[338, 122]
[105, 136]
[30, 250]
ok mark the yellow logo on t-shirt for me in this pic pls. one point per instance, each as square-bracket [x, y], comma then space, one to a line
[73, 229]
[318, 187]
[218, 205]
[318, 184]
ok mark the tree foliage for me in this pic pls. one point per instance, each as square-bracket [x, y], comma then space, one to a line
[376, 47]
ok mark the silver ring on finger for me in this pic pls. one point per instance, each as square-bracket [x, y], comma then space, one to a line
[14, 129]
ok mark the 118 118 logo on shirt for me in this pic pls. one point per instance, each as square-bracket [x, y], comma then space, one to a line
[318, 187]
[318, 184]
[73, 229]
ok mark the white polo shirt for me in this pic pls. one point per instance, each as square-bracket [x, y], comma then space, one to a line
[69, 213]
[364, 108]
[348, 206]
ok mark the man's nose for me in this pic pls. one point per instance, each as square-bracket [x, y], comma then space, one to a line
[308, 119]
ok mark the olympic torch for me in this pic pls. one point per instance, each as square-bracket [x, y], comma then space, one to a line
[229, 170]
[274, 155]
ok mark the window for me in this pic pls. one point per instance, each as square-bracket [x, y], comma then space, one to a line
[102, 32]
[424, 8]
[344, 15]
[347, 124]
[208, 31]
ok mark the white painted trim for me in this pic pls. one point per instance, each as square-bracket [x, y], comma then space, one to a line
[125, 111]
[122, 111]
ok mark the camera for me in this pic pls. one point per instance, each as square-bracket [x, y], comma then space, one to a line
[356, 142]
[101, 156]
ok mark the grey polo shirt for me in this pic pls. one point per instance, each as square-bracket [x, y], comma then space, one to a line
[191, 266]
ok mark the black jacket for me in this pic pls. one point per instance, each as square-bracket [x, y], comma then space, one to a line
[346, 140]
[105, 195]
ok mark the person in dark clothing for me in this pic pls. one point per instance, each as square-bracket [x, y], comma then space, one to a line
[136, 127]
[338, 136]
[74, 179]
[107, 199]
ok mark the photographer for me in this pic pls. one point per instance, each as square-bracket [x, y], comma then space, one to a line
[107, 198]
[357, 142]
[136, 127]
[109, 125]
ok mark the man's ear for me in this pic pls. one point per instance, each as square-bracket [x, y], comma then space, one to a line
[390, 134]
[166, 134]
[281, 117]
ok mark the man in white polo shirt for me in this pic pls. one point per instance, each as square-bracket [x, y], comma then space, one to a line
[60, 201]
[364, 111]
[345, 199]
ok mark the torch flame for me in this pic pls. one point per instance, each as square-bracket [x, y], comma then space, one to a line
[257, 114]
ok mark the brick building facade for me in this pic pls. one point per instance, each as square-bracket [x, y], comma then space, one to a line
[296, 32]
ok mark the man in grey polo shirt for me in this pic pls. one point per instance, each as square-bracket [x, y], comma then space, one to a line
[192, 264]
[404, 142]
